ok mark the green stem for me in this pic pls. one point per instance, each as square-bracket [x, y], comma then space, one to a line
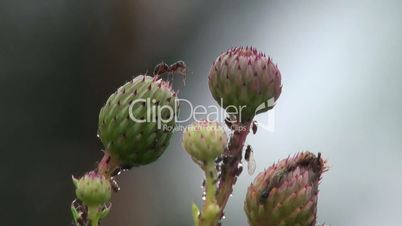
[210, 211]
[93, 215]
[211, 176]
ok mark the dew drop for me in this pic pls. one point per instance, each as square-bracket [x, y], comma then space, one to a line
[204, 195]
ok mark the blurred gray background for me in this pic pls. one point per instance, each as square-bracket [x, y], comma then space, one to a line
[341, 67]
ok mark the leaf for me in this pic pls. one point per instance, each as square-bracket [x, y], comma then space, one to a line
[105, 211]
[196, 214]
[75, 213]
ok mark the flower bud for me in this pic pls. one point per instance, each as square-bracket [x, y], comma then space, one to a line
[246, 79]
[135, 122]
[204, 141]
[93, 189]
[286, 193]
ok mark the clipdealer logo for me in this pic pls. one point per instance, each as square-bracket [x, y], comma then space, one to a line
[165, 114]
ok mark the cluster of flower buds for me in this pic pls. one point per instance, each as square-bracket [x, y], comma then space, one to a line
[132, 128]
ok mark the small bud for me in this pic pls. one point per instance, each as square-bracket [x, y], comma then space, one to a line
[211, 212]
[204, 141]
[286, 192]
[93, 189]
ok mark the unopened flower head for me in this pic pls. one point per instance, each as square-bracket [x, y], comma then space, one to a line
[204, 141]
[93, 189]
[286, 193]
[245, 78]
[130, 142]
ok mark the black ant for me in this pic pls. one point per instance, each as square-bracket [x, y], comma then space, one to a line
[179, 68]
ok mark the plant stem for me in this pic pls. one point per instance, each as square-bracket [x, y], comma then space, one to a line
[211, 175]
[233, 153]
[210, 212]
[107, 165]
[93, 215]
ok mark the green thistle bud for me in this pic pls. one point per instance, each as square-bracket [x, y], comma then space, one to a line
[286, 193]
[93, 189]
[204, 141]
[135, 124]
[245, 78]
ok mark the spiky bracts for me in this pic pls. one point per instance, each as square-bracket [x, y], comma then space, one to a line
[204, 141]
[286, 193]
[93, 189]
[135, 124]
[245, 78]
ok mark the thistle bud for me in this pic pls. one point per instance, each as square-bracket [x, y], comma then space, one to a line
[286, 193]
[246, 79]
[135, 124]
[93, 189]
[204, 141]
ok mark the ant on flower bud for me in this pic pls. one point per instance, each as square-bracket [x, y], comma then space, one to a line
[178, 67]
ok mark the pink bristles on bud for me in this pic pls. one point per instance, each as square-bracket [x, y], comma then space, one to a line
[231, 71]
[286, 192]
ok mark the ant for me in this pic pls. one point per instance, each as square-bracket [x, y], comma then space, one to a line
[179, 68]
